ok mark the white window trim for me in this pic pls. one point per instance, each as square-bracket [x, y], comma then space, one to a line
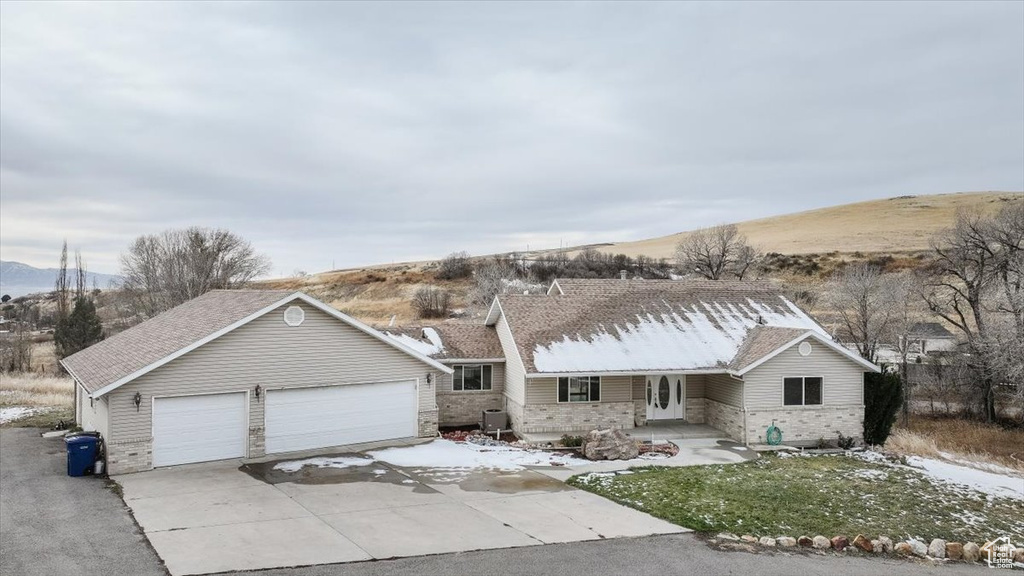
[803, 392]
[589, 399]
[490, 385]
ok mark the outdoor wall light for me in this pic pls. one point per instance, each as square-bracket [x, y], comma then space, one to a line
[257, 392]
[430, 378]
[138, 400]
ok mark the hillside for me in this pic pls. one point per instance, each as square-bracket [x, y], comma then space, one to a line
[902, 224]
[868, 231]
[18, 279]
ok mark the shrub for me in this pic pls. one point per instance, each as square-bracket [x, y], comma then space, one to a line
[844, 442]
[455, 265]
[883, 396]
[572, 441]
[432, 302]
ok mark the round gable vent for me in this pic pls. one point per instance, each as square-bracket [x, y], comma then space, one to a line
[805, 348]
[293, 316]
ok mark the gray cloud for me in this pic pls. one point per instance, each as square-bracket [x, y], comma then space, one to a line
[362, 133]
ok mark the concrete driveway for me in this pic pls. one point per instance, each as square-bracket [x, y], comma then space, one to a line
[224, 516]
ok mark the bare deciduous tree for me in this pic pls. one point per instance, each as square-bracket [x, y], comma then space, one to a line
[716, 252]
[431, 302]
[975, 284]
[163, 270]
[492, 278]
[862, 297]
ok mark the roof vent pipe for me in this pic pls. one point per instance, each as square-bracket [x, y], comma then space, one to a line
[623, 274]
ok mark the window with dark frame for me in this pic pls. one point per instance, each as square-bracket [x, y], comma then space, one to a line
[804, 391]
[579, 389]
[471, 377]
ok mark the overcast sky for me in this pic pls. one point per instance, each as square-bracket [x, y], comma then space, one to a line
[355, 133]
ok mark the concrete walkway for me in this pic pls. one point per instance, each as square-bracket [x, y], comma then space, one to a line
[216, 517]
[691, 453]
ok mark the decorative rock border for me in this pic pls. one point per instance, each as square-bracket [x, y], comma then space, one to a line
[937, 549]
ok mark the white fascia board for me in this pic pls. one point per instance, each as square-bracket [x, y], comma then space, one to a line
[291, 297]
[472, 360]
[820, 338]
[732, 373]
[493, 313]
[554, 285]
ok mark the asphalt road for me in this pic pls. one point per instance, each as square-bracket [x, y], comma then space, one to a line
[51, 525]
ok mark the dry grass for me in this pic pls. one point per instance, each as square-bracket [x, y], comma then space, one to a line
[969, 442]
[896, 224]
[36, 390]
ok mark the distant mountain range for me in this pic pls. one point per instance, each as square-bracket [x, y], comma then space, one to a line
[18, 279]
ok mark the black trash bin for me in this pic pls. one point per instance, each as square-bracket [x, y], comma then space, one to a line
[82, 453]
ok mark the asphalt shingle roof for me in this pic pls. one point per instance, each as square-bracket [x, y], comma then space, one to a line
[458, 341]
[139, 346]
[646, 325]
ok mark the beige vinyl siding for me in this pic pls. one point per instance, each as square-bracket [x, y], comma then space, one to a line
[95, 417]
[842, 384]
[321, 351]
[515, 371]
[695, 385]
[724, 388]
[544, 390]
[444, 381]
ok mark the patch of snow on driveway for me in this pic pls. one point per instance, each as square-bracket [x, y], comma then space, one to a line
[339, 462]
[462, 455]
[987, 482]
[13, 413]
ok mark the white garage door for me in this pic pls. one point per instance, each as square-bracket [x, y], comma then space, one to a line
[198, 428]
[306, 418]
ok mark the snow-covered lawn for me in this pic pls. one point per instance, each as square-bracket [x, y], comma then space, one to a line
[444, 454]
[13, 413]
[798, 494]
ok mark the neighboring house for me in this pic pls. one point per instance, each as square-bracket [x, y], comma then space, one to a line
[244, 373]
[928, 337]
[620, 353]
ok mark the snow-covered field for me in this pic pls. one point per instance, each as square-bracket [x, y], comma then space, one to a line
[12, 413]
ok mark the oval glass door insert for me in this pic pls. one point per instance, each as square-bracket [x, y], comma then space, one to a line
[664, 392]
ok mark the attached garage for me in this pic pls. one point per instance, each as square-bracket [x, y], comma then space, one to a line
[307, 418]
[244, 373]
[199, 428]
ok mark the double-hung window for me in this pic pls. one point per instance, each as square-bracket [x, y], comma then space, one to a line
[579, 389]
[471, 377]
[804, 391]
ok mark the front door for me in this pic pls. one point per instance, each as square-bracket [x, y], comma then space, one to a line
[666, 395]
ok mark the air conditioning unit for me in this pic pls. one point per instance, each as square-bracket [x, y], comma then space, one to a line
[493, 420]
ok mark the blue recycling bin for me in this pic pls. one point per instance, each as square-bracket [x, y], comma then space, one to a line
[82, 451]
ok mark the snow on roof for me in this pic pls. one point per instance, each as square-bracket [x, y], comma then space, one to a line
[429, 345]
[705, 335]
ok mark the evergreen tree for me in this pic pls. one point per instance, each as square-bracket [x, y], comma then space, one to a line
[79, 330]
[883, 395]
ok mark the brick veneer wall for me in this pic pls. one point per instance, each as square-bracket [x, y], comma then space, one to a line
[427, 423]
[805, 425]
[460, 408]
[126, 456]
[695, 410]
[728, 419]
[640, 412]
[577, 416]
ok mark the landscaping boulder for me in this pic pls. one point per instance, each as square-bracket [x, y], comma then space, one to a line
[786, 541]
[876, 546]
[727, 536]
[749, 538]
[918, 548]
[821, 543]
[1018, 555]
[971, 552]
[766, 541]
[863, 543]
[610, 445]
[805, 541]
[886, 543]
[937, 549]
[840, 542]
[954, 551]
[904, 548]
